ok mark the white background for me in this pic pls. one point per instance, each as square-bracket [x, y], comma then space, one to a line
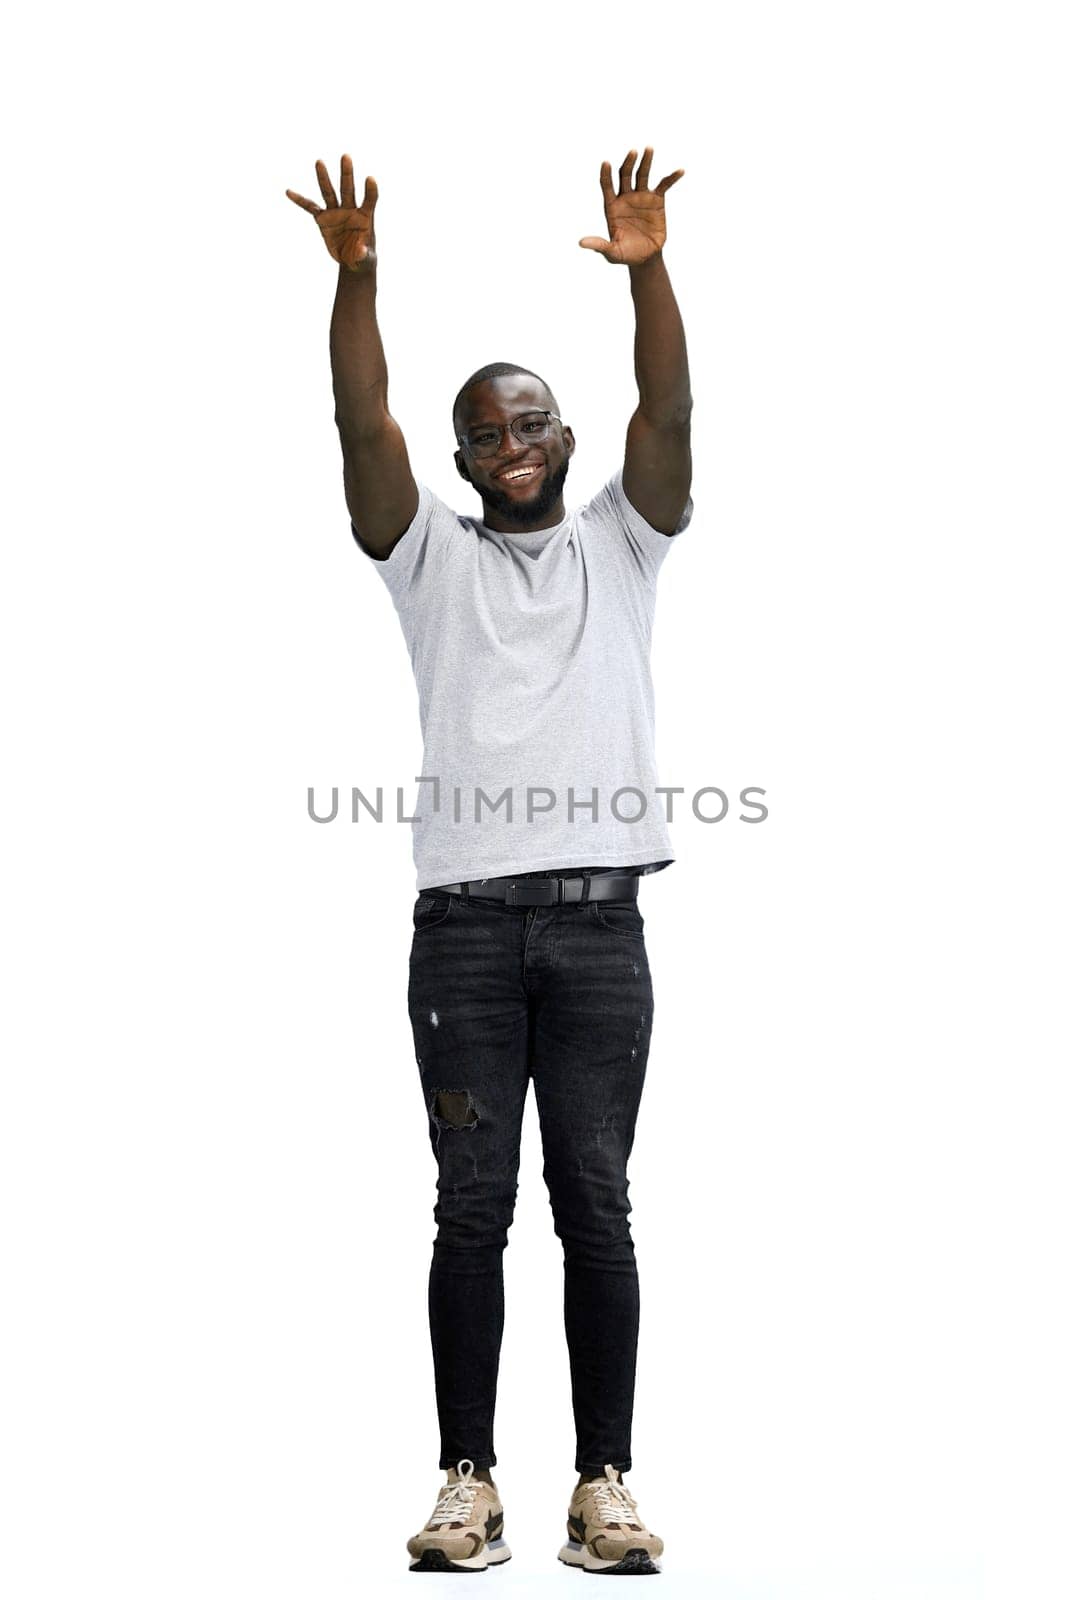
[217, 1183]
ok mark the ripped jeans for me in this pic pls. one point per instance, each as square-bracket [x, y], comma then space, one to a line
[498, 995]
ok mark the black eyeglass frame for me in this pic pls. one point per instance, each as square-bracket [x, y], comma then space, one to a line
[534, 411]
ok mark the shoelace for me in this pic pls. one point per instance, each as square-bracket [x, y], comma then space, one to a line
[614, 1502]
[456, 1500]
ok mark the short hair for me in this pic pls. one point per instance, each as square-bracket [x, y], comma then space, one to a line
[495, 369]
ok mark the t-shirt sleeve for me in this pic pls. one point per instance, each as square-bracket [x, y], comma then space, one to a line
[422, 552]
[646, 544]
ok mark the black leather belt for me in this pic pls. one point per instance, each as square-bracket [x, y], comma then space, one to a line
[562, 890]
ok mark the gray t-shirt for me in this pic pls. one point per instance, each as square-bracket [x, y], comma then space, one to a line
[531, 658]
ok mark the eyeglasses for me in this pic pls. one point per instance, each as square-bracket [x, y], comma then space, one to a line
[486, 439]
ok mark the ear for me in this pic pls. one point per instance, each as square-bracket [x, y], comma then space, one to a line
[461, 466]
[568, 440]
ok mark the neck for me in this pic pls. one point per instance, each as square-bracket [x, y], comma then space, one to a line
[501, 523]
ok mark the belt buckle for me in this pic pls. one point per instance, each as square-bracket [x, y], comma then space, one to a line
[536, 892]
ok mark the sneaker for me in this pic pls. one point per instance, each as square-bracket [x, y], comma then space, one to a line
[466, 1531]
[605, 1534]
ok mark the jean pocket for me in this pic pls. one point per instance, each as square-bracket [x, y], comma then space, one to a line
[430, 911]
[620, 917]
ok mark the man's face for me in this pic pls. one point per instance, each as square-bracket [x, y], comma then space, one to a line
[524, 480]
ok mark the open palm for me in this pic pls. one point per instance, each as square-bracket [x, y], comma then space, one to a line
[348, 229]
[636, 215]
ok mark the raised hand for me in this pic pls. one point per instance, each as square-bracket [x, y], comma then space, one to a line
[636, 216]
[348, 229]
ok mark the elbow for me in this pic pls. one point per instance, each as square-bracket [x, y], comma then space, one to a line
[673, 417]
[362, 427]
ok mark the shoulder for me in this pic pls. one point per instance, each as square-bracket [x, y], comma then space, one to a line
[611, 512]
[427, 546]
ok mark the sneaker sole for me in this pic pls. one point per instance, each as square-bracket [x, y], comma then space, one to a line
[436, 1561]
[634, 1564]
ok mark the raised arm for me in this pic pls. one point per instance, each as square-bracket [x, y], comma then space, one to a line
[658, 466]
[380, 490]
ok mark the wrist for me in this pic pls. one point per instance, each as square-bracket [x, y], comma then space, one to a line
[363, 272]
[649, 281]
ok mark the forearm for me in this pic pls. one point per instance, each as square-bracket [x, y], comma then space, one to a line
[661, 364]
[357, 359]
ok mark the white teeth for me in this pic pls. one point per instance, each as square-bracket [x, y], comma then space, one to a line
[520, 472]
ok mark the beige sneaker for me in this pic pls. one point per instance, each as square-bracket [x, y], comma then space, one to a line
[466, 1531]
[605, 1534]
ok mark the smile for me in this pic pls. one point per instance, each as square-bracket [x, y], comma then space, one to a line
[517, 474]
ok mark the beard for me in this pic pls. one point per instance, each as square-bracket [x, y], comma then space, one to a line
[524, 513]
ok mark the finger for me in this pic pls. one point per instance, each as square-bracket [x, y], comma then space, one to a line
[606, 185]
[591, 242]
[665, 183]
[645, 167]
[370, 196]
[348, 183]
[307, 205]
[624, 172]
[324, 184]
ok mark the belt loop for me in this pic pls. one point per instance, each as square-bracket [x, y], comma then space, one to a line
[466, 890]
[586, 876]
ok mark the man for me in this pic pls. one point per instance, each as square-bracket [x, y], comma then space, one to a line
[529, 632]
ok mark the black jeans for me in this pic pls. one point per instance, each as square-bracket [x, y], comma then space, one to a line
[499, 994]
